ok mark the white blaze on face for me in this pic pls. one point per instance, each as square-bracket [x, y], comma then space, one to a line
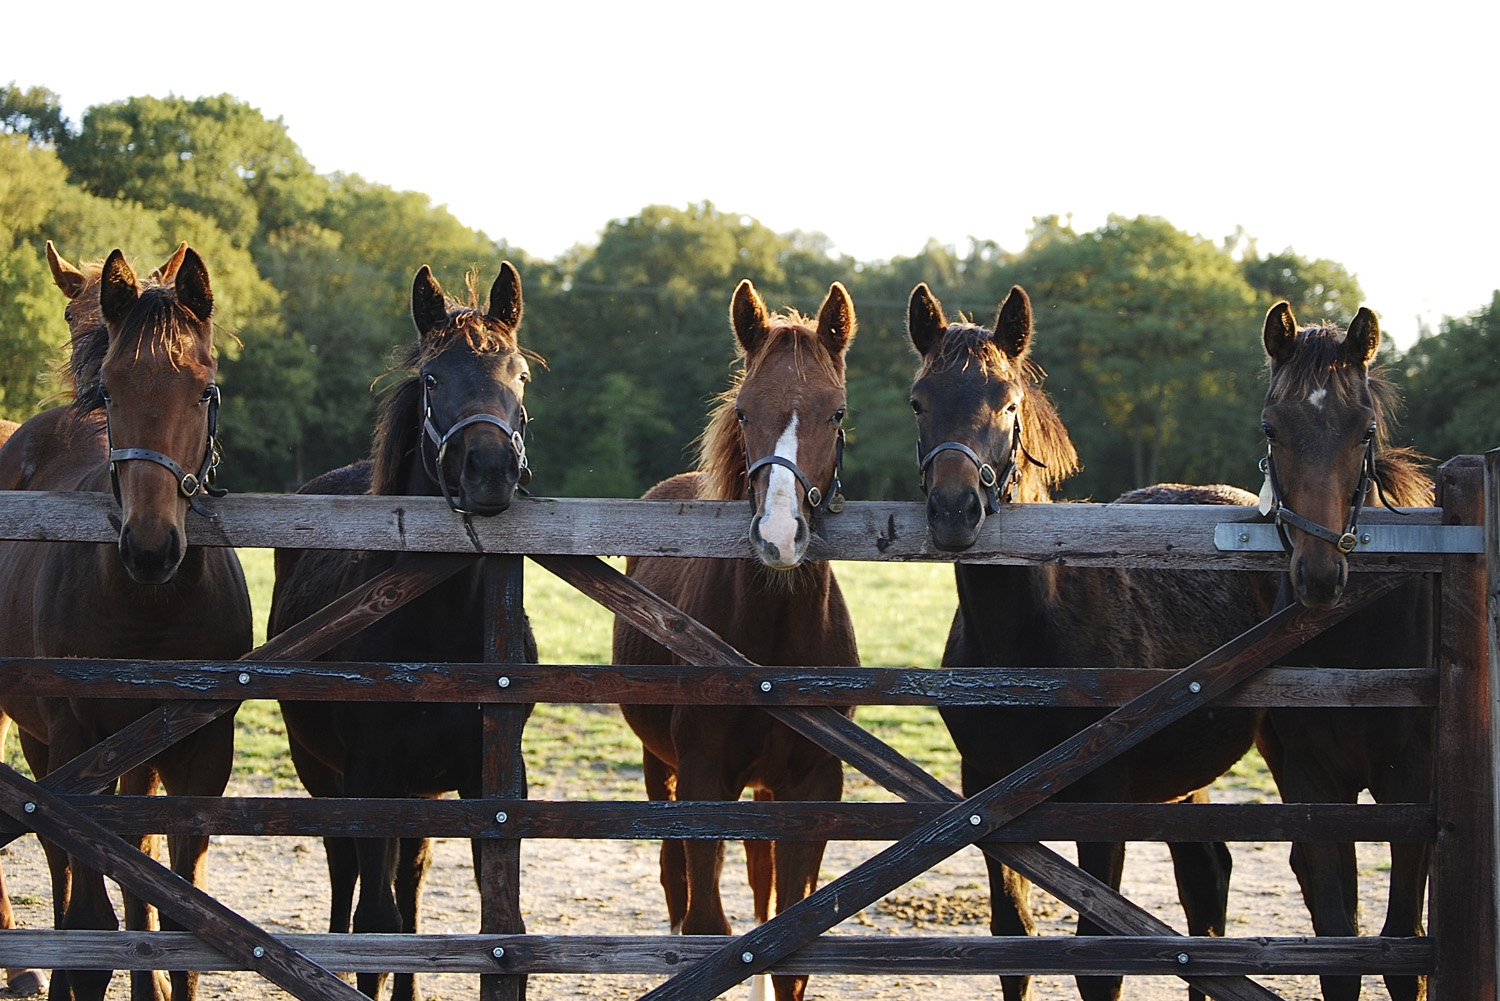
[778, 523]
[1316, 399]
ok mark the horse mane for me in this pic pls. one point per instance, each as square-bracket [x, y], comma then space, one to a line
[1317, 364]
[1042, 432]
[92, 349]
[721, 447]
[398, 424]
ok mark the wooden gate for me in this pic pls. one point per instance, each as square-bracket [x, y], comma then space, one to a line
[1007, 820]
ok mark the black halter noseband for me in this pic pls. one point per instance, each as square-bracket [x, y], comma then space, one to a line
[440, 441]
[190, 485]
[1349, 539]
[821, 504]
[997, 488]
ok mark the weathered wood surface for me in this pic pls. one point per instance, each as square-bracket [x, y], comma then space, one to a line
[1461, 911]
[1492, 603]
[679, 685]
[664, 955]
[743, 820]
[245, 942]
[1164, 536]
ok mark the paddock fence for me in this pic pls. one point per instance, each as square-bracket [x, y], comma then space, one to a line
[1455, 542]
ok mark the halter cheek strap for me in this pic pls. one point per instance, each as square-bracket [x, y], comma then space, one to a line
[1349, 539]
[997, 489]
[440, 441]
[821, 504]
[190, 485]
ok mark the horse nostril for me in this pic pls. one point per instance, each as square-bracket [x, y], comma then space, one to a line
[973, 509]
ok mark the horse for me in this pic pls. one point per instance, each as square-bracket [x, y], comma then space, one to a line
[144, 426]
[452, 426]
[987, 434]
[1327, 456]
[775, 437]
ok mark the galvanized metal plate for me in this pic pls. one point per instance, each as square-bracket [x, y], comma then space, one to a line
[1444, 540]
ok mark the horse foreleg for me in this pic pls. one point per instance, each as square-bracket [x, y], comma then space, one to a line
[660, 784]
[759, 867]
[377, 910]
[1329, 880]
[411, 869]
[1105, 861]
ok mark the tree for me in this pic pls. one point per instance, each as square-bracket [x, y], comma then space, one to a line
[1319, 290]
[1453, 385]
[35, 113]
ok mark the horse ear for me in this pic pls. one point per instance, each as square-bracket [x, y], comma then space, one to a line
[1362, 340]
[1013, 327]
[1281, 333]
[505, 297]
[191, 283]
[118, 291]
[68, 279]
[925, 321]
[167, 273]
[428, 307]
[836, 320]
[747, 312]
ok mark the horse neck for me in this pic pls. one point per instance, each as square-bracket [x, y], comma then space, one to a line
[795, 617]
[1019, 637]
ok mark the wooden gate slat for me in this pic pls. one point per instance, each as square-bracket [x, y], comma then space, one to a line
[204, 916]
[876, 955]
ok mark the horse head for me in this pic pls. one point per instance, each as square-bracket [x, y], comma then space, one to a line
[980, 417]
[472, 375]
[161, 407]
[1321, 421]
[789, 407]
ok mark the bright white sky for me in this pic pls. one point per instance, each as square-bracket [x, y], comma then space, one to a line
[1360, 132]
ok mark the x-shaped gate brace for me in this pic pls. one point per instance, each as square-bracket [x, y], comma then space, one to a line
[972, 821]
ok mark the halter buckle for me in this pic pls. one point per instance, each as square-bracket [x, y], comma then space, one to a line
[1347, 542]
[987, 477]
[189, 485]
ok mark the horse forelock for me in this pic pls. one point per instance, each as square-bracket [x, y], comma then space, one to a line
[158, 324]
[1316, 364]
[721, 446]
[971, 348]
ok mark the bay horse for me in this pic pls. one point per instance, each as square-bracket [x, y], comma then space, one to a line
[143, 424]
[1327, 456]
[452, 426]
[988, 434]
[774, 438]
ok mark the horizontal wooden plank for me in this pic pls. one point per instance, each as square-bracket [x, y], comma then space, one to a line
[689, 685]
[955, 955]
[1165, 536]
[745, 820]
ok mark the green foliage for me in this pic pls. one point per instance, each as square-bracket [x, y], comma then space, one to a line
[1452, 388]
[1318, 290]
[34, 113]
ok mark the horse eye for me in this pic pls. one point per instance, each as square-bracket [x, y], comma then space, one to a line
[68, 316]
[429, 380]
[1369, 435]
[1269, 431]
[739, 415]
[103, 394]
[838, 415]
[208, 395]
[916, 408]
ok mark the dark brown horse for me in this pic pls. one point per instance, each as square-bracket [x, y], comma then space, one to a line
[1327, 456]
[774, 438]
[986, 433]
[453, 426]
[142, 425]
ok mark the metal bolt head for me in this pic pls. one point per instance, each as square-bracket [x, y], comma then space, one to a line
[259, 951]
[1194, 687]
[501, 817]
[1182, 958]
[1244, 536]
[747, 957]
[244, 679]
[497, 952]
[974, 819]
[504, 682]
[765, 686]
[29, 808]
[1365, 538]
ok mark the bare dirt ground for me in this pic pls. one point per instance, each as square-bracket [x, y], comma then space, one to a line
[610, 887]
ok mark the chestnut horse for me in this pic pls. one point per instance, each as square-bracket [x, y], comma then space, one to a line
[1327, 456]
[453, 426]
[143, 425]
[774, 438]
[986, 434]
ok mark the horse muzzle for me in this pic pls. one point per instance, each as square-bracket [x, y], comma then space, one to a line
[954, 518]
[151, 557]
[1318, 580]
[783, 542]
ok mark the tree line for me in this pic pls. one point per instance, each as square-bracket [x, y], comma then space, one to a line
[1149, 335]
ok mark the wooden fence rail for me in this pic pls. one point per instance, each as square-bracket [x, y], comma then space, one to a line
[566, 536]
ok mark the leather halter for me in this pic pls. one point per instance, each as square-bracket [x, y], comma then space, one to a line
[440, 441]
[1348, 540]
[997, 489]
[821, 504]
[190, 485]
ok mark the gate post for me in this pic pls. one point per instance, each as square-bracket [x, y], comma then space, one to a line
[1461, 909]
[504, 770]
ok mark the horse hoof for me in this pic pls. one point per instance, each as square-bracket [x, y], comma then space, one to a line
[28, 984]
